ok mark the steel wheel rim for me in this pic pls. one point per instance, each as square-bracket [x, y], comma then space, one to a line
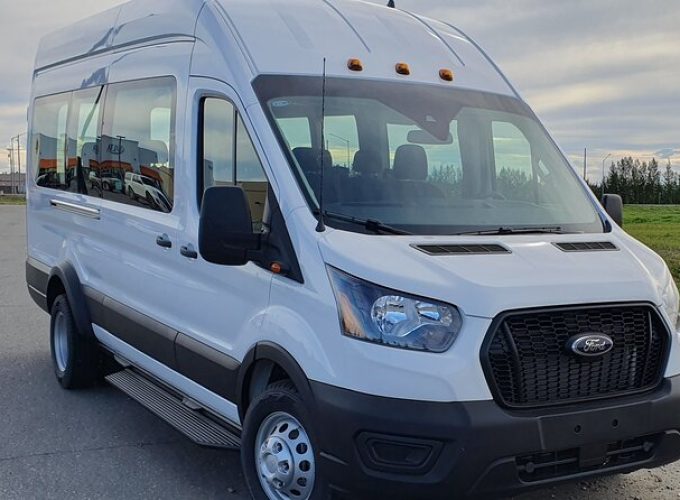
[60, 341]
[284, 458]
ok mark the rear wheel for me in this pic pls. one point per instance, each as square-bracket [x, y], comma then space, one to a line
[278, 447]
[76, 359]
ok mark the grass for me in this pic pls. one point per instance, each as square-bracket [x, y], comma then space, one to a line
[657, 226]
[10, 199]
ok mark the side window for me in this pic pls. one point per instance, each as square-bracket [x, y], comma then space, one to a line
[342, 139]
[48, 141]
[138, 142]
[250, 175]
[229, 158]
[218, 142]
[514, 171]
[83, 142]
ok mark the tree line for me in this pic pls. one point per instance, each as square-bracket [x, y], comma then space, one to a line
[641, 182]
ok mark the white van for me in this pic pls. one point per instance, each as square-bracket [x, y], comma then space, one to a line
[387, 280]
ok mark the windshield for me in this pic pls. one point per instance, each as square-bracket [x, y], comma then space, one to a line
[424, 159]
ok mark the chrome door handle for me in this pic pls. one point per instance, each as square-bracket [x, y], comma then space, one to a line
[164, 241]
[188, 252]
[74, 208]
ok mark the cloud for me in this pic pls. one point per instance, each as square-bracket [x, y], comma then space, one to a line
[667, 153]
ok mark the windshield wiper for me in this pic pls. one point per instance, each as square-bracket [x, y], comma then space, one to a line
[372, 225]
[517, 230]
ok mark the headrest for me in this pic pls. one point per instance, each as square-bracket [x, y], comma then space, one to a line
[367, 162]
[410, 163]
[310, 159]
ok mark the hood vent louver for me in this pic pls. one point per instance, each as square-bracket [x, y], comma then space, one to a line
[587, 246]
[471, 249]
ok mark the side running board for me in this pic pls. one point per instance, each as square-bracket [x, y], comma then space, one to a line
[195, 425]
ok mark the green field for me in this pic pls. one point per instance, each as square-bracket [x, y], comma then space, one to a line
[12, 200]
[657, 226]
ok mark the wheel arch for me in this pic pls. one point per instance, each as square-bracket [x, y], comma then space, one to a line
[63, 278]
[259, 368]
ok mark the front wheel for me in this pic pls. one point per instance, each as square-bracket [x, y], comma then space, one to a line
[76, 359]
[278, 450]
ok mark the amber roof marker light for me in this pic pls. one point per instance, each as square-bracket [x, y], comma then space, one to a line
[355, 64]
[446, 75]
[403, 69]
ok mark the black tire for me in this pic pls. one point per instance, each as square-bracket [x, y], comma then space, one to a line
[278, 397]
[81, 358]
[131, 194]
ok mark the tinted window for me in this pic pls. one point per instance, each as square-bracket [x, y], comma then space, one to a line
[83, 141]
[139, 139]
[229, 157]
[48, 140]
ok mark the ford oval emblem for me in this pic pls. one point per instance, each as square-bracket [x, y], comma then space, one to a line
[590, 345]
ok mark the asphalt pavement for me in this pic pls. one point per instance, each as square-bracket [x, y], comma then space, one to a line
[98, 443]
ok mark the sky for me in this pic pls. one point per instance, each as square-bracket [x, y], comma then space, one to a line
[601, 74]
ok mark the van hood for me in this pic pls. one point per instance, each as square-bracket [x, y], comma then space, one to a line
[534, 272]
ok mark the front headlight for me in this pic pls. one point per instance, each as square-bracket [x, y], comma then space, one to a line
[376, 314]
[671, 302]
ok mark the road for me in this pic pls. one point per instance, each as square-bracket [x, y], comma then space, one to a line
[98, 443]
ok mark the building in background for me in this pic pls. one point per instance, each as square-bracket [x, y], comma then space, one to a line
[12, 184]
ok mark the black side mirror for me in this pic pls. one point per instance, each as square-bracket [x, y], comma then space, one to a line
[225, 231]
[613, 204]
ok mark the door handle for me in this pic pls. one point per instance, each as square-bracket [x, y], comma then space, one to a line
[188, 252]
[164, 241]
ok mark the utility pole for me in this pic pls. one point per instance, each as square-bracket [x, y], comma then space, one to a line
[585, 163]
[19, 163]
[11, 165]
[604, 175]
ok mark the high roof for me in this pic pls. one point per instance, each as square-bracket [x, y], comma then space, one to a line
[291, 37]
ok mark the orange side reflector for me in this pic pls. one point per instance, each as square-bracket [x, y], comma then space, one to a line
[276, 267]
[355, 65]
[403, 69]
[446, 75]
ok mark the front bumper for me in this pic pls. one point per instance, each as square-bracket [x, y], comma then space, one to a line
[373, 446]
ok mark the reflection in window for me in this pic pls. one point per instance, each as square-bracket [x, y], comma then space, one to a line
[138, 143]
[218, 142]
[83, 143]
[48, 140]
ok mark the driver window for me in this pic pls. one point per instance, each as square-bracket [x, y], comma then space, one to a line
[228, 156]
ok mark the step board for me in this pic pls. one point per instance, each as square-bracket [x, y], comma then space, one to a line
[193, 424]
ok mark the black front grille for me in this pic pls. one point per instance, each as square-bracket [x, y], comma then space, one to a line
[565, 463]
[528, 364]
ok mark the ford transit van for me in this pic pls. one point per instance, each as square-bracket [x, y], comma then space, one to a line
[339, 241]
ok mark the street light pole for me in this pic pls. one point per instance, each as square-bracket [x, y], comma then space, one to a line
[19, 162]
[347, 142]
[603, 171]
[11, 165]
